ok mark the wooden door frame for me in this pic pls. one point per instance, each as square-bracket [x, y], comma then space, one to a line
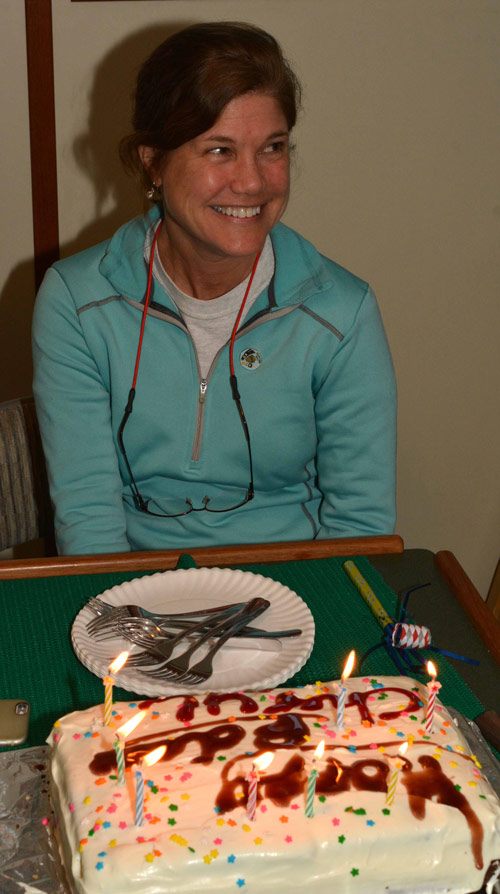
[42, 125]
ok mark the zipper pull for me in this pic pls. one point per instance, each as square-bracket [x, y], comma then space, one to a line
[203, 390]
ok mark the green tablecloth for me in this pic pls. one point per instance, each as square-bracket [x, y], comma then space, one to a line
[37, 661]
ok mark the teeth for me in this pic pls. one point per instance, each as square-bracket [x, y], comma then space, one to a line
[237, 212]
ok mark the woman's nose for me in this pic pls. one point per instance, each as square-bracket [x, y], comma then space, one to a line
[247, 176]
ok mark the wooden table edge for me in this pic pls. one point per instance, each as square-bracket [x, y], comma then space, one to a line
[163, 560]
[480, 616]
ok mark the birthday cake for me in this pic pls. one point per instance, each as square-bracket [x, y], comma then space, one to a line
[364, 817]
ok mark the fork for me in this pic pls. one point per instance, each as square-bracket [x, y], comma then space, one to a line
[143, 630]
[200, 672]
[105, 613]
[164, 647]
[177, 668]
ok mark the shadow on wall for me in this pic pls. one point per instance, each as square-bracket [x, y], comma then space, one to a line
[96, 149]
[117, 197]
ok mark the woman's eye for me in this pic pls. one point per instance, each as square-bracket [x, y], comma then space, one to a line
[276, 148]
[219, 150]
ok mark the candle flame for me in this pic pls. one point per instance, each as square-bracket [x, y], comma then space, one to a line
[349, 665]
[118, 663]
[154, 756]
[131, 724]
[262, 762]
[403, 748]
[431, 669]
[319, 750]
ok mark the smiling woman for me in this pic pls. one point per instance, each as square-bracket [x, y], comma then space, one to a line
[158, 319]
[222, 193]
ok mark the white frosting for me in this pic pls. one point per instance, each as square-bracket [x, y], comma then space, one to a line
[353, 843]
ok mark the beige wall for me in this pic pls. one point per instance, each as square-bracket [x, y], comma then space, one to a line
[396, 169]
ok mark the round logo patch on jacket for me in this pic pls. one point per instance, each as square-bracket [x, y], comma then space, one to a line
[250, 358]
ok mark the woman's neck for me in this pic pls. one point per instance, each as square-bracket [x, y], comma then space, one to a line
[197, 274]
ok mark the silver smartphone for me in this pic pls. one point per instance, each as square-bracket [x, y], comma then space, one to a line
[14, 721]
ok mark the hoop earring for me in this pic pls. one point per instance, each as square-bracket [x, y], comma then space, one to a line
[154, 193]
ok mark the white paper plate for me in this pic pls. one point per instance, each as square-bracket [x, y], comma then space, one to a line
[190, 589]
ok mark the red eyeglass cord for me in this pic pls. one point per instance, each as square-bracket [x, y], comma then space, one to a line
[232, 377]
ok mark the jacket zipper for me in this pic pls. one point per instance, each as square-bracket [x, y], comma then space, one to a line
[202, 395]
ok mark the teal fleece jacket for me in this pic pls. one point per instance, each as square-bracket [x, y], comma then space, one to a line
[320, 405]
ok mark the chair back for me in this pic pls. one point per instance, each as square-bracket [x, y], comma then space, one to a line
[25, 507]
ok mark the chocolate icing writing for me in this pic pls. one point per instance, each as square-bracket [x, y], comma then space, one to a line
[430, 782]
[185, 711]
[286, 731]
[218, 738]
[289, 730]
[213, 701]
[337, 777]
[280, 787]
[286, 701]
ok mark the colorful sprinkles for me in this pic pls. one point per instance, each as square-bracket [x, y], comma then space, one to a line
[172, 797]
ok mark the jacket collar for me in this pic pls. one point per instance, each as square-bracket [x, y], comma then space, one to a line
[300, 269]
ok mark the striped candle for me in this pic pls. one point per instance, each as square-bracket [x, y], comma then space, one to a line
[393, 781]
[343, 691]
[259, 765]
[252, 779]
[119, 743]
[147, 761]
[108, 698]
[341, 707]
[119, 747]
[311, 790]
[432, 689]
[108, 681]
[311, 782]
[139, 797]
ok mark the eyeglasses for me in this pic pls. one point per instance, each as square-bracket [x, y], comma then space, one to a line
[173, 508]
[226, 501]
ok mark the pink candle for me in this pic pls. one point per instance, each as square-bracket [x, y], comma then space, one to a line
[432, 688]
[252, 779]
[259, 764]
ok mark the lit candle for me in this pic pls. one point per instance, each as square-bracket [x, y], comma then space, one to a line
[119, 743]
[108, 681]
[147, 761]
[258, 766]
[343, 691]
[393, 781]
[432, 688]
[311, 782]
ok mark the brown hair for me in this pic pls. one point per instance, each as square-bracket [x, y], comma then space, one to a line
[186, 83]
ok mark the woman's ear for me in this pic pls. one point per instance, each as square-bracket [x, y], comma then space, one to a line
[147, 156]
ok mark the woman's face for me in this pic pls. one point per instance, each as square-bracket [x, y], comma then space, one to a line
[224, 190]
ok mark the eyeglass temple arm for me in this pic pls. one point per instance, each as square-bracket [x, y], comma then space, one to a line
[133, 485]
[236, 397]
